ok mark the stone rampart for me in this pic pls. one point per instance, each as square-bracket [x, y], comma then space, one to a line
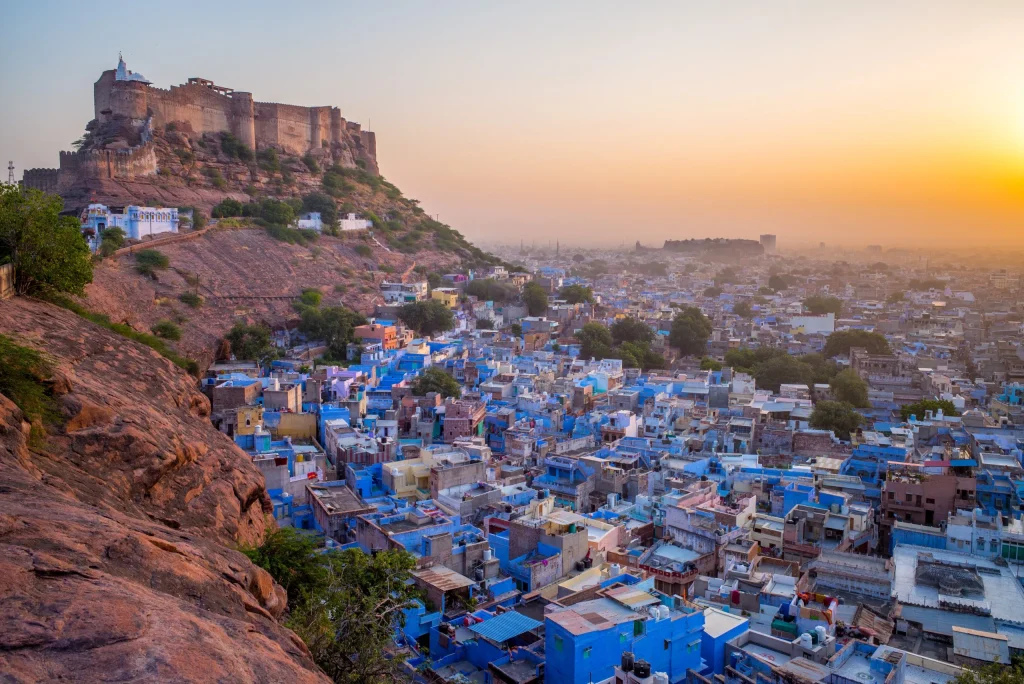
[106, 164]
[208, 109]
[40, 179]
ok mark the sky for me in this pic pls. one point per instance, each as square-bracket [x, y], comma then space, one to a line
[597, 123]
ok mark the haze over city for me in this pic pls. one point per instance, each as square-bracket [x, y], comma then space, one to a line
[597, 123]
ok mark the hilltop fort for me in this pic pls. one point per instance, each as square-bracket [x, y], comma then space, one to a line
[128, 109]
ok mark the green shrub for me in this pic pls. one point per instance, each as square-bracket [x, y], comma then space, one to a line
[235, 148]
[227, 207]
[311, 164]
[23, 379]
[167, 330]
[191, 298]
[363, 250]
[148, 261]
[268, 160]
[291, 235]
[311, 297]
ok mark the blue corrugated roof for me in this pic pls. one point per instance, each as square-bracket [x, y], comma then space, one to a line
[501, 628]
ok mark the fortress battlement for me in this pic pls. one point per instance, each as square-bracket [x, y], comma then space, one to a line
[209, 108]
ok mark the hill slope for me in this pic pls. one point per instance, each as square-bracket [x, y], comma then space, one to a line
[115, 533]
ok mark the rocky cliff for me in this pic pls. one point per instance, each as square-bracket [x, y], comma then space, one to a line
[117, 530]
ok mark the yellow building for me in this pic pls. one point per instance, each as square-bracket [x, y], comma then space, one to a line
[449, 296]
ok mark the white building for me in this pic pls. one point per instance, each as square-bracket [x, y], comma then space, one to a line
[310, 221]
[814, 325]
[136, 222]
[352, 222]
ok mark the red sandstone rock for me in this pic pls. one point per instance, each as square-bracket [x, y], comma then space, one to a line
[116, 558]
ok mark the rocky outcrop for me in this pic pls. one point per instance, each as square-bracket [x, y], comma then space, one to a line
[117, 533]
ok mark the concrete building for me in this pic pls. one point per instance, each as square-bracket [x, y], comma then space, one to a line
[136, 222]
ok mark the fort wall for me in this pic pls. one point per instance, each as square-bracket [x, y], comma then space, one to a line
[40, 179]
[206, 109]
[107, 164]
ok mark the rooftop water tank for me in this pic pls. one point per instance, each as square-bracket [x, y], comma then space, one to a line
[806, 641]
[660, 678]
[822, 633]
[627, 661]
[642, 669]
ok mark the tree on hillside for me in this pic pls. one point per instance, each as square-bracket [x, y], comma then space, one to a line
[491, 290]
[325, 205]
[638, 355]
[250, 342]
[535, 298]
[436, 380]
[918, 408]
[332, 593]
[333, 326]
[839, 342]
[595, 341]
[782, 370]
[837, 416]
[577, 294]
[778, 282]
[712, 292]
[112, 240]
[631, 330]
[849, 387]
[819, 305]
[47, 249]
[427, 317]
[690, 332]
[743, 310]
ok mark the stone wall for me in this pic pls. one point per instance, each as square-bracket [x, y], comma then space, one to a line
[108, 164]
[40, 179]
[293, 129]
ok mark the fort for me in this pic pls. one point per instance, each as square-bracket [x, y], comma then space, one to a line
[200, 106]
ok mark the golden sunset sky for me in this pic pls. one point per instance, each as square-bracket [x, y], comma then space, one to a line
[899, 123]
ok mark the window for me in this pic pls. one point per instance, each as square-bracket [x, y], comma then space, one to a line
[993, 545]
[638, 627]
[586, 652]
[930, 501]
[558, 643]
[909, 498]
[892, 496]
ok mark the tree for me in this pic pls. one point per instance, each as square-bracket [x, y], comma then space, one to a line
[228, 207]
[491, 290]
[782, 370]
[578, 258]
[311, 297]
[47, 249]
[690, 331]
[712, 292]
[820, 305]
[919, 408]
[515, 329]
[849, 387]
[577, 294]
[483, 324]
[631, 330]
[292, 559]
[322, 203]
[436, 380]
[638, 355]
[333, 326]
[434, 280]
[330, 596]
[778, 282]
[250, 342]
[535, 298]
[743, 310]
[839, 342]
[595, 341]
[427, 317]
[708, 363]
[994, 673]
[112, 240]
[837, 416]
[350, 625]
[896, 297]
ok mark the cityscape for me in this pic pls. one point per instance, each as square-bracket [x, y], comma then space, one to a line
[264, 417]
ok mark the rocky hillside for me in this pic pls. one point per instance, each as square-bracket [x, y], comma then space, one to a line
[244, 274]
[117, 529]
[240, 270]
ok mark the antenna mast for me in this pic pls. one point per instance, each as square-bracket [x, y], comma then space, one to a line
[10, 172]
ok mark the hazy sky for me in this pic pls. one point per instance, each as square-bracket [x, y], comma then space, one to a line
[890, 122]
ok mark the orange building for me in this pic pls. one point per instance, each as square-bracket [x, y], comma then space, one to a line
[386, 335]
